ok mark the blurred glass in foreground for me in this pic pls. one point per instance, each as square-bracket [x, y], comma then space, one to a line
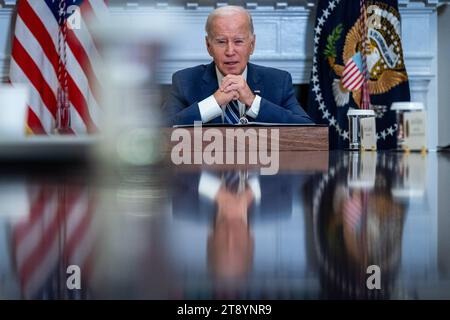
[131, 47]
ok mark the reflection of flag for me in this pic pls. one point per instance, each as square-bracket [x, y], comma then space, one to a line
[57, 62]
[57, 233]
[339, 60]
[352, 213]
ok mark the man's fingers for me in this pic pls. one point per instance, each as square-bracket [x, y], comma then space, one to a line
[231, 87]
[227, 82]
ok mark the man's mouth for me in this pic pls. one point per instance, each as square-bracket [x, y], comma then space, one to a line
[231, 63]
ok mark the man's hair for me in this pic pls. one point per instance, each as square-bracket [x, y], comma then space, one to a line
[227, 11]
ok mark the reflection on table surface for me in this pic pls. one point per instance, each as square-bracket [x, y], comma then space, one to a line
[308, 232]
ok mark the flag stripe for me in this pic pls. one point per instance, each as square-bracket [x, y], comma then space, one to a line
[34, 123]
[36, 105]
[29, 259]
[83, 59]
[25, 62]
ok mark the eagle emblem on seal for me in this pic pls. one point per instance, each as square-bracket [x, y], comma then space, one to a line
[383, 52]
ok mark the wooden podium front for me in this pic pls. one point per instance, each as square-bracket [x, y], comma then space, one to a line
[243, 138]
[294, 148]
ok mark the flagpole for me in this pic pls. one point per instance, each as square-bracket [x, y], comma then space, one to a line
[63, 107]
[365, 103]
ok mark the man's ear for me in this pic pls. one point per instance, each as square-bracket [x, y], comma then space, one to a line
[208, 46]
[252, 44]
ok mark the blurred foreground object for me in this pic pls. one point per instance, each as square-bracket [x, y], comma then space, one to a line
[131, 47]
[13, 109]
[412, 125]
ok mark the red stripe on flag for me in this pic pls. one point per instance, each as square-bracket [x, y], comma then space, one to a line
[356, 84]
[78, 101]
[83, 59]
[33, 73]
[350, 72]
[79, 232]
[34, 123]
[40, 32]
[22, 229]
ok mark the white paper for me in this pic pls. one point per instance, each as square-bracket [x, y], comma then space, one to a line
[368, 133]
[415, 131]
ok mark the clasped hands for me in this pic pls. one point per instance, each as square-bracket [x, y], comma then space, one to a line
[233, 203]
[234, 87]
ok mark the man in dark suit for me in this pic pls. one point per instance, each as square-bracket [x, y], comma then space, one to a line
[230, 89]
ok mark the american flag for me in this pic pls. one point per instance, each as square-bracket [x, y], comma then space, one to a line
[59, 231]
[53, 52]
[353, 77]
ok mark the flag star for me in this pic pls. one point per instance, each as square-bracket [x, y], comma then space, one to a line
[321, 21]
[321, 106]
[345, 135]
[326, 13]
[316, 39]
[319, 96]
[318, 29]
[314, 69]
[377, 136]
[316, 88]
[326, 114]
[332, 121]
[332, 5]
[391, 131]
[315, 78]
[383, 134]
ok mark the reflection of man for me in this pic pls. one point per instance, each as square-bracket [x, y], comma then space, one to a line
[230, 89]
[216, 215]
[230, 243]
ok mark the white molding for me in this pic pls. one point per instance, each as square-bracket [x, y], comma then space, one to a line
[255, 4]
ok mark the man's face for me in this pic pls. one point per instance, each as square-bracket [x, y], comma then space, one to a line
[231, 44]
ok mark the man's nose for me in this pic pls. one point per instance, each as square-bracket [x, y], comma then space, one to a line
[229, 51]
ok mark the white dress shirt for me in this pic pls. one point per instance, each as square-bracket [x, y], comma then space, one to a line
[210, 109]
[209, 186]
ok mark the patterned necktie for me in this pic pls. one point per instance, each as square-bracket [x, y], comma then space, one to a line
[232, 112]
[235, 181]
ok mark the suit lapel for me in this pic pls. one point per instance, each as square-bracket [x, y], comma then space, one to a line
[209, 80]
[254, 79]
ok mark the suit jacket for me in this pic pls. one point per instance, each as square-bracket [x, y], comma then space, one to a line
[192, 85]
[275, 203]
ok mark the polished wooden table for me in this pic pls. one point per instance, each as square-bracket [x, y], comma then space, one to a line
[153, 232]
